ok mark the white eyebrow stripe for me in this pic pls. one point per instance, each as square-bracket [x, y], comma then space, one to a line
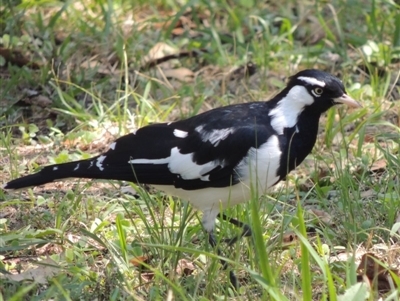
[312, 81]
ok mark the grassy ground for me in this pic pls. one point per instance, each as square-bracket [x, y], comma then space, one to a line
[76, 75]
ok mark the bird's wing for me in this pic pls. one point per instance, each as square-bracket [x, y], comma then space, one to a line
[186, 157]
[199, 152]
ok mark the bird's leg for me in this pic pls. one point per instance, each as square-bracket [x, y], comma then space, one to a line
[232, 276]
[246, 229]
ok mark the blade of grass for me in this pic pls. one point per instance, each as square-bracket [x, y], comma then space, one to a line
[121, 237]
[306, 283]
[22, 292]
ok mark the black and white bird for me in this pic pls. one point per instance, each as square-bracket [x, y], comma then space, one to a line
[213, 159]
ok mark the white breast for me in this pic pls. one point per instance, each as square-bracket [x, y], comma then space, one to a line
[258, 170]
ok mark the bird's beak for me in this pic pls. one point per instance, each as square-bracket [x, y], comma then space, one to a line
[347, 100]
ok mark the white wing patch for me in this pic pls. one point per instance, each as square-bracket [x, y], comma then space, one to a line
[214, 136]
[112, 145]
[285, 114]
[99, 162]
[182, 164]
[312, 81]
[150, 161]
[180, 133]
[77, 166]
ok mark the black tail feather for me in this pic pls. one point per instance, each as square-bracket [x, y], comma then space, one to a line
[97, 168]
[51, 173]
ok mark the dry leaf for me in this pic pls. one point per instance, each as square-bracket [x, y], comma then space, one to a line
[15, 57]
[48, 249]
[41, 101]
[89, 242]
[184, 267]
[47, 268]
[289, 237]
[7, 212]
[378, 275]
[147, 276]
[321, 215]
[369, 138]
[182, 74]
[129, 190]
[91, 64]
[378, 166]
[33, 97]
[158, 51]
[140, 260]
[367, 194]
[99, 65]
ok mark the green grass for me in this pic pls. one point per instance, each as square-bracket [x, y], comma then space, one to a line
[92, 236]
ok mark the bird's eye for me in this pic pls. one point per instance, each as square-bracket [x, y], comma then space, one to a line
[317, 91]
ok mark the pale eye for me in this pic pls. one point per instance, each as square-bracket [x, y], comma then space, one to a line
[317, 91]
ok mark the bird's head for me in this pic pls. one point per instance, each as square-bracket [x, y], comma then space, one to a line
[317, 89]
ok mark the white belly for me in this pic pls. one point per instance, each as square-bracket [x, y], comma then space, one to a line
[257, 173]
[257, 170]
[210, 198]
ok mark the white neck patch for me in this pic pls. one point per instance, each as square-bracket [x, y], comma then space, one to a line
[312, 81]
[286, 113]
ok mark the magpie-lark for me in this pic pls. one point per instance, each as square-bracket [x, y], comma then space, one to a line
[212, 159]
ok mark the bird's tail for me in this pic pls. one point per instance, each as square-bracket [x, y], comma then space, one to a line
[89, 168]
